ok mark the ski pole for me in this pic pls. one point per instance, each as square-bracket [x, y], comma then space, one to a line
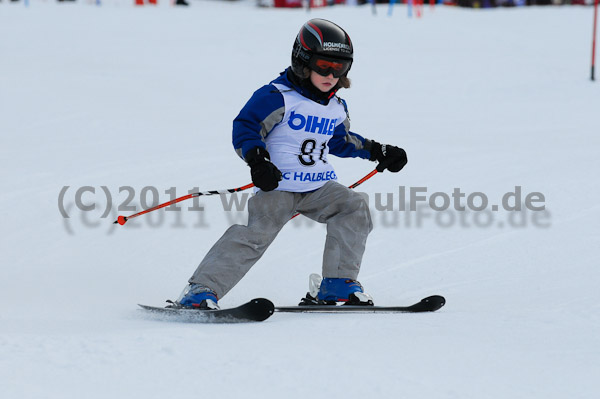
[123, 219]
[594, 38]
[364, 179]
[358, 183]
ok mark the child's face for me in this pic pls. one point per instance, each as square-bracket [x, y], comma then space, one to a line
[323, 83]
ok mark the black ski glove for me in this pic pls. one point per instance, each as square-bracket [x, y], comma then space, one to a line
[388, 157]
[265, 174]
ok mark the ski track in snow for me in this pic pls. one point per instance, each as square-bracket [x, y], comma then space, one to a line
[113, 96]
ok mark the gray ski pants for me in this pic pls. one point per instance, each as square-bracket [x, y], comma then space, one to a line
[345, 212]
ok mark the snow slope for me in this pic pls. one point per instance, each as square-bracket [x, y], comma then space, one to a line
[116, 96]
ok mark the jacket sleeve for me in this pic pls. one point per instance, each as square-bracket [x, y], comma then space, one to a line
[258, 117]
[346, 144]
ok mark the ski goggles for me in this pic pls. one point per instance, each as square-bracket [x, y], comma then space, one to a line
[326, 66]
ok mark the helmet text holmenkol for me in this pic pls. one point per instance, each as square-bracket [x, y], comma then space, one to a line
[332, 46]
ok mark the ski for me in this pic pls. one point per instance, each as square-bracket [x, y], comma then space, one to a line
[258, 309]
[429, 304]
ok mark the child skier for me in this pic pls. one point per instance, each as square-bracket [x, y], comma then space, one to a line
[285, 133]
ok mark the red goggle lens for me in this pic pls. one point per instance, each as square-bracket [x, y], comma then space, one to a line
[325, 67]
[324, 64]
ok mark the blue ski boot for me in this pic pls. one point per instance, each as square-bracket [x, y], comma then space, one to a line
[198, 296]
[329, 291]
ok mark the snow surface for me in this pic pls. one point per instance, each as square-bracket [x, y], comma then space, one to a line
[121, 96]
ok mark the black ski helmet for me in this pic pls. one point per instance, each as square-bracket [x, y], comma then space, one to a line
[321, 39]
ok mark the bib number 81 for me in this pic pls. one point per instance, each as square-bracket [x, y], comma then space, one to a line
[307, 149]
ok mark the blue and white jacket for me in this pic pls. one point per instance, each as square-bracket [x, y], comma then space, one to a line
[299, 131]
